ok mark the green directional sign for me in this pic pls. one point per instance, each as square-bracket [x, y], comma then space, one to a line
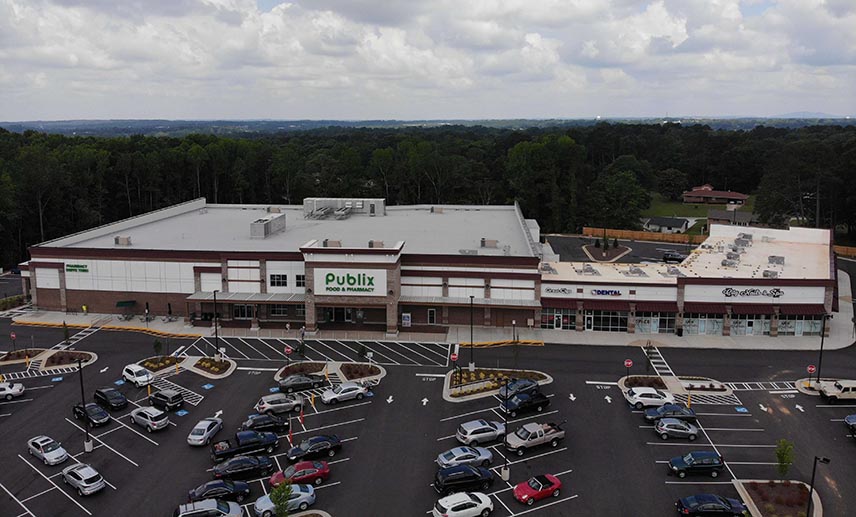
[76, 268]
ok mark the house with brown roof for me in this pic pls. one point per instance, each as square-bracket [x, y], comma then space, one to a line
[706, 194]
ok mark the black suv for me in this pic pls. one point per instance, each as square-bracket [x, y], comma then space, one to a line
[697, 462]
[269, 423]
[516, 386]
[110, 398]
[462, 478]
[315, 447]
[166, 400]
[523, 402]
[221, 489]
[679, 411]
[673, 257]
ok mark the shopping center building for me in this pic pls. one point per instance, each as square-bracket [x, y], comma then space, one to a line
[357, 263]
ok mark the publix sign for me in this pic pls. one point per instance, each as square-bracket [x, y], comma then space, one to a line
[350, 282]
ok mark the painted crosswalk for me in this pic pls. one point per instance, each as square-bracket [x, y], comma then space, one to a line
[72, 340]
[708, 399]
[190, 396]
[661, 367]
[17, 311]
[761, 385]
[34, 373]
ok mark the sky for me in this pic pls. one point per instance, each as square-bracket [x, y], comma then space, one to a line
[424, 59]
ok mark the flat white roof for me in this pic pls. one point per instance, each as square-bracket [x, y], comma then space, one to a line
[199, 226]
[805, 251]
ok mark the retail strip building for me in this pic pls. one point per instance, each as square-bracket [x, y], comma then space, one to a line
[356, 263]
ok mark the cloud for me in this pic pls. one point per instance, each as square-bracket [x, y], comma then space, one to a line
[426, 59]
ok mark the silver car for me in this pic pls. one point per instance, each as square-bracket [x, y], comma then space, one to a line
[85, 479]
[475, 432]
[8, 390]
[47, 450]
[301, 498]
[151, 418]
[475, 456]
[673, 428]
[204, 430]
[279, 403]
[209, 507]
[344, 391]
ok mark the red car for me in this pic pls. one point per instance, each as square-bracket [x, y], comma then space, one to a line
[537, 488]
[302, 473]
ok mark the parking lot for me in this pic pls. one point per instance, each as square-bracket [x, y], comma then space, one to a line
[610, 463]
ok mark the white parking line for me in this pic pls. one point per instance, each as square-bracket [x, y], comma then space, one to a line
[349, 358]
[754, 429]
[23, 400]
[541, 507]
[376, 352]
[271, 347]
[325, 485]
[554, 451]
[244, 341]
[723, 414]
[141, 435]
[349, 406]
[699, 482]
[409, 360]
[322, 354]
[43, 492]
[536, 415]
[26, 510]
[428, 348]
[40, 387]
[446, 437]
[63, 492]
[503, 504]
[465, 414]
[129, 460]
[250, 368]
[723, 445]
[225, 341]
[338, 461]
[6, 414]
[331, 425]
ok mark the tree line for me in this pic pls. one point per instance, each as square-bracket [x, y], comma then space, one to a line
[53, 185]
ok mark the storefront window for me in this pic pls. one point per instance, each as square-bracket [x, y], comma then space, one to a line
[242, 312]
[300, 311]
[278, 310]
[655, 322]
[800, 325]
[700, 323]
[432, 316]
[564, 319]
[279, 280]
[750, 325]
[609, 321]
[300, 280]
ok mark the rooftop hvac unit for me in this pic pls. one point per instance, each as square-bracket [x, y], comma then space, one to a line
[375, 244]
[674, 271]
[771, 274]
[732, 256]
[330, 243]
[706, 247]
[468, 252]
[636, 271]
[729, 263]
[322, 212]
[765, 238]
[588, 269]
[776, 259]
[343, 213]
[745, 236]
[742, 242]
[436, 209]
[489, 243]
[264, 227]
[120, 240]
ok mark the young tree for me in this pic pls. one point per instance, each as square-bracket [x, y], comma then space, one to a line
[784, 456]
[158, 346]
[279, 497]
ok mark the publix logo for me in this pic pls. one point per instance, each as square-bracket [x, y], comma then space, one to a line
[606, 292]
[357, 283]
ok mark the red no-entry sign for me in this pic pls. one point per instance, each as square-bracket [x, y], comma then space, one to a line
[811, 368]
[628, 363]
[288, 350]
[12, 335]
[454, 357]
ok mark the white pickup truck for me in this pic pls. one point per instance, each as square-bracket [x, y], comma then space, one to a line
[534, 434]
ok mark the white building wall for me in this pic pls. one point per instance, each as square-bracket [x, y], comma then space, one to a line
[610, 292]
[47, 278]
[290, 269]
[124, 275]
[770, 294]
[422, 286]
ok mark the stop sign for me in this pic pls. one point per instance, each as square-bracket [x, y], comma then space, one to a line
[454, 357]
[811, 368]
[628, 363]
[288, 350]
[12, 335]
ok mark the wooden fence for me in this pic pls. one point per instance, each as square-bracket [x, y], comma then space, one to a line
[845, 251]
[644, 236]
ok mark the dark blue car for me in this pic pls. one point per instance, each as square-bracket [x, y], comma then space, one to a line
[709, 504]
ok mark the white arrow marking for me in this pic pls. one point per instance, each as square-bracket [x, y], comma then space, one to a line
[218, 413]
[424, 401]
[572, 397]
[763, 408]
[608, 399]
[800, 408]
[389, 400]
[104, 369]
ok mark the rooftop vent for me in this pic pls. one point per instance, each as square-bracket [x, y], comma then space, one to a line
[375, 244]
[674, 271]
[636, 271]
[745, 236]
[776, 259]
[274, 210]
[732, 256]
[506, 250]
[588, 269]
[489, 243]
[120, 240]
[321, 212]
[330, 243]
[771, 274]
[706, 247]
[436, 209]
[468, 252]
[264, 227]
[729, 263]
[742, 242]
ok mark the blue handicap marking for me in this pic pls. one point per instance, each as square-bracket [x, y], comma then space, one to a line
[119, 382]
[181, 412]
[741, 409]
[56, 379]
[207, 386]
[275, 389]
[369, 394]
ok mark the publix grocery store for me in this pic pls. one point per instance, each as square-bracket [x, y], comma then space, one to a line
[358, 264]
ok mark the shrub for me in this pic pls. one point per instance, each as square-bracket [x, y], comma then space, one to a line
[779, 500]
[764, 496]
[597, 243]
[770, 508]
[615, 243]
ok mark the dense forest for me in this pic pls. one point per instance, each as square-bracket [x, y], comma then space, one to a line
[565, 177]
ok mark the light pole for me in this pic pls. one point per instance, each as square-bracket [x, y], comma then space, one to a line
[822, 335]
[472, 361]
[87, 443]
[820, 459]
[514, 339]
[216, 332]
[505, 474]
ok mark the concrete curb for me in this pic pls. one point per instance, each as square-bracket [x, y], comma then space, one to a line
[816, 506]
[143, 330]
[92, 358]
[19, 361]
[322, 513]
[447, 392]
[675, 384]
[190, 361]
[334, 367]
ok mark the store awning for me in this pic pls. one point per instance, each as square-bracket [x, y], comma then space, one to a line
[704, 308]
[126, 303]
[656, 307]
[807, 309]
[559, 303]
[751, 308]
[607, 305]
[208, 296]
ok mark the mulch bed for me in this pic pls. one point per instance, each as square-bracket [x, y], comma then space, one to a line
[305, 367]
[611, 253]
[21, 354]
[779, 498]
[63, 358]
[496, 378]
[212, 365]
[638, 381]
[358, 371]
[159, 363]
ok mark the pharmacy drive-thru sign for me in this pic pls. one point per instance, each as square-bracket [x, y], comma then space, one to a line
[350, 282]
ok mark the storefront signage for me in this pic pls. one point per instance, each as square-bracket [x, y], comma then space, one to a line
[76, 268]
[606, 292]
[350, 282]
[730, 292]
[558, 290]
[405, 319]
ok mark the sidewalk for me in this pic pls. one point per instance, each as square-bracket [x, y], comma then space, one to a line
[158, 327]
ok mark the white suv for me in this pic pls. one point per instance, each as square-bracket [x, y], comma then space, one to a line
[137, 375]
[463, 504]
[648, 397]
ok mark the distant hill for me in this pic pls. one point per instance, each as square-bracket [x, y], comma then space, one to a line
[809, 114]
[250, 128]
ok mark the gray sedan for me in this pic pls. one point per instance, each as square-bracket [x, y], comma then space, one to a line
[83, 478]
[302, 497]
[204, 430]
[47, 450]
[673, 428]
[475, 456]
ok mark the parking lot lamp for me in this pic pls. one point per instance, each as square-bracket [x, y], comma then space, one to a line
[822, 334]
[216, 333]
[504, 473]
[820, 459]
[87, 443]
[472, 361]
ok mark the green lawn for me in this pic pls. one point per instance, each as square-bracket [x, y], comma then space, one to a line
[665, 208]
[696, 228]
